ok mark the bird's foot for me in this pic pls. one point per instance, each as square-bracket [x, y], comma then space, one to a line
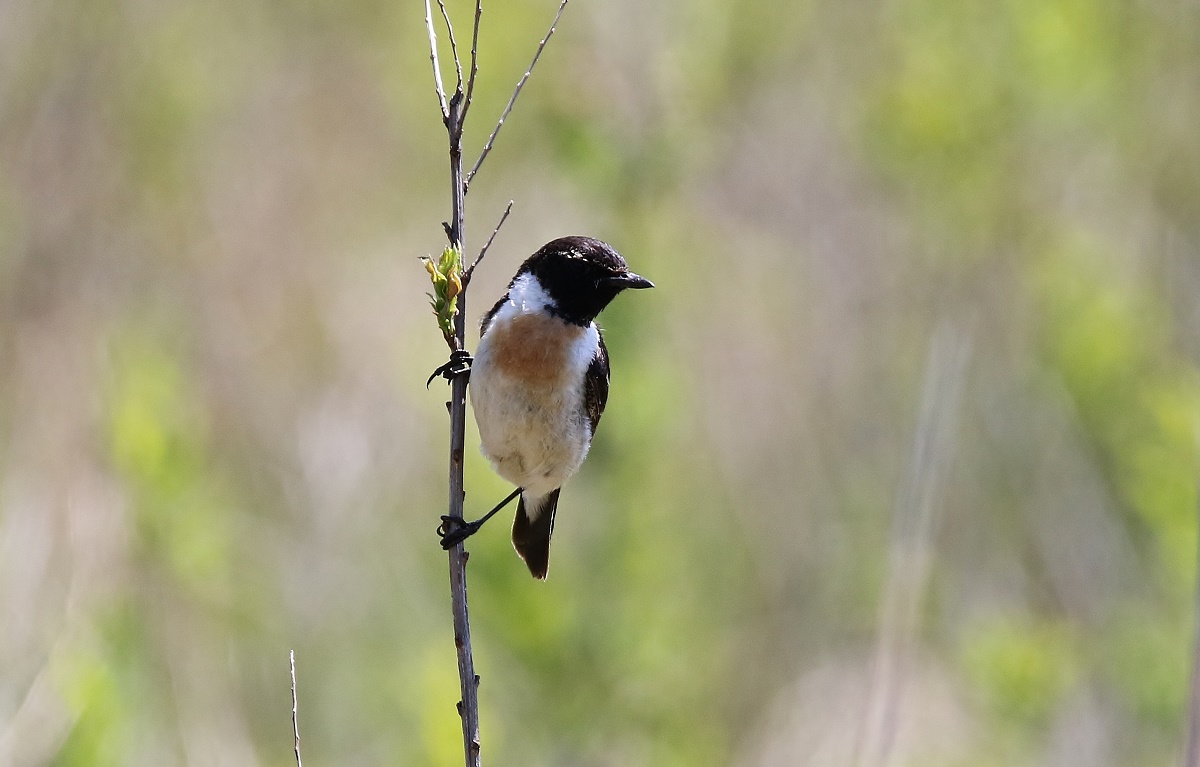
[455, 530]
[459, 365]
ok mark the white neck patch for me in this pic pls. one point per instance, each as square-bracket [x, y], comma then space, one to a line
[528, 295]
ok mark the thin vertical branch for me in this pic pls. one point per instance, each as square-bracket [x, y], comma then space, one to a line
[516, 92]
[295, 708]
[468, 706]
[454, 114]
[474, 61]
[913, 528]
[437, 68]
[1193, 724]
[468, 680]
[453, 46]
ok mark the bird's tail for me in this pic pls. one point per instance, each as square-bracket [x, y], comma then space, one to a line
[532, 529]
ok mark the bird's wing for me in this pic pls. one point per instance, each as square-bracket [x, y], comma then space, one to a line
[491, 313]
[595, 386]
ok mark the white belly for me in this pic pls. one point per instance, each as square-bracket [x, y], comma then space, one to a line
[528, 399]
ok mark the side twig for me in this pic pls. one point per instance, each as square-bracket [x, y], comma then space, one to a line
[466, 278]
[474, 61]
[516, 92]
[437, 68]
[453, 46]
[295, 722]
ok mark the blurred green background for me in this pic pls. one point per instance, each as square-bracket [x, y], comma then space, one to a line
[900, 464]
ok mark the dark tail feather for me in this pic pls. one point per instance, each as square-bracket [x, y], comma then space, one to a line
[531, 532]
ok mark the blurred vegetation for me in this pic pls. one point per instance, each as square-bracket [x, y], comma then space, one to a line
[215, 444]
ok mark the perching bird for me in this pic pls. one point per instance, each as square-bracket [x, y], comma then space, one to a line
[539, 382]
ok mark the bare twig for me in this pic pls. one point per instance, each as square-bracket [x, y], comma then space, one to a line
[474, 61]
[453, 46]
[466, 278]
[913, 528]
[468, 707]
[295, 723]
[437, 68]
[454, 117]
[1193, 725]
[516, 92]
[468, 680]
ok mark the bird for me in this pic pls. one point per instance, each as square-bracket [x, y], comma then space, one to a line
[539, 382]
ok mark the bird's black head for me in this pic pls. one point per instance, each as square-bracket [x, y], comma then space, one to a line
[581, 275]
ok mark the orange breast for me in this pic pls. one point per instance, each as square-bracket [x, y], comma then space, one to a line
[534, 348]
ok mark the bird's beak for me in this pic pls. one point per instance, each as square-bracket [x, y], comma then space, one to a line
[629, 281]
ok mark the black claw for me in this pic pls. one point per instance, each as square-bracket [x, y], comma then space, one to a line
[459, 365]
[455, 530]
